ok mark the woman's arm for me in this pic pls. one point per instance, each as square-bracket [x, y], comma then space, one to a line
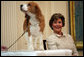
[75, 52]
[51, 43]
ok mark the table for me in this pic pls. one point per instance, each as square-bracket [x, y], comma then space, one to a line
[59, 52]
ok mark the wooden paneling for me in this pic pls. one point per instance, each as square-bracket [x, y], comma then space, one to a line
[8, 24]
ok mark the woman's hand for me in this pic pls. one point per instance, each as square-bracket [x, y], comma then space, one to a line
[3, 48]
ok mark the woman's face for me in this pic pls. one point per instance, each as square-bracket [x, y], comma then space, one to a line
[57, 25]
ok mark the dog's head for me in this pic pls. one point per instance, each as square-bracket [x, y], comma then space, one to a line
[30, 7]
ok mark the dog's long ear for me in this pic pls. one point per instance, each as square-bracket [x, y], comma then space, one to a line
[37, 9]
[27, 16]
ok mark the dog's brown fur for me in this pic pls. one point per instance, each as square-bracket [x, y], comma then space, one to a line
[34, 8]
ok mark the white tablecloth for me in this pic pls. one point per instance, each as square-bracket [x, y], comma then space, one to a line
[38, 53]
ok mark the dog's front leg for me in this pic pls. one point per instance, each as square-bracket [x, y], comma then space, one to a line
[41, 42]
[29, 42]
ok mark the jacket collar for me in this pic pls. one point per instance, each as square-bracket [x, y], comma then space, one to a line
[59, 36]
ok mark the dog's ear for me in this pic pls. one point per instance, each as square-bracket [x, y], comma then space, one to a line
[37, 9]
[27, 16]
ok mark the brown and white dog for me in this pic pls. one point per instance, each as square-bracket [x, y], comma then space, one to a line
[34, 22]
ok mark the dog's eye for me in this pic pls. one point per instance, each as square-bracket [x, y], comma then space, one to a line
[29, 5]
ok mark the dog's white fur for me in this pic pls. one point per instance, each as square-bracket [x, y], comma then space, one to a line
[36, 34]
[34, 30]
[25, 7]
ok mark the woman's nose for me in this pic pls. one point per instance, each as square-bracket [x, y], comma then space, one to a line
[57, 23]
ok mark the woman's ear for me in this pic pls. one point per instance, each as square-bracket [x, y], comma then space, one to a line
[62, 25]
[52, 26]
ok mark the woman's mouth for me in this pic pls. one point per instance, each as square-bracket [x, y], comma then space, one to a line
[57, 27]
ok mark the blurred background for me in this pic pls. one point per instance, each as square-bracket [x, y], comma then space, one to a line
[12, 21]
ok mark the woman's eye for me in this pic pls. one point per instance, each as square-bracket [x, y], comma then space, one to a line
[59, 22]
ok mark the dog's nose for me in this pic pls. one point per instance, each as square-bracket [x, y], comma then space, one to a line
[21, 6]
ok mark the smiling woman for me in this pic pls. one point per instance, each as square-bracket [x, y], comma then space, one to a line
[59, 40]
[57, 22]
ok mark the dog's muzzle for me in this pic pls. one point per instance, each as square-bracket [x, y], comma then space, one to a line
[23, 7]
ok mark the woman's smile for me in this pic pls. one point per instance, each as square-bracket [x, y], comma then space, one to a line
[57, 27]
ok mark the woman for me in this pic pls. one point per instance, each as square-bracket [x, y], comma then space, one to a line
[59, 40]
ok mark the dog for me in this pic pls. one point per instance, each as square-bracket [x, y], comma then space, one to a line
[34, 24]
